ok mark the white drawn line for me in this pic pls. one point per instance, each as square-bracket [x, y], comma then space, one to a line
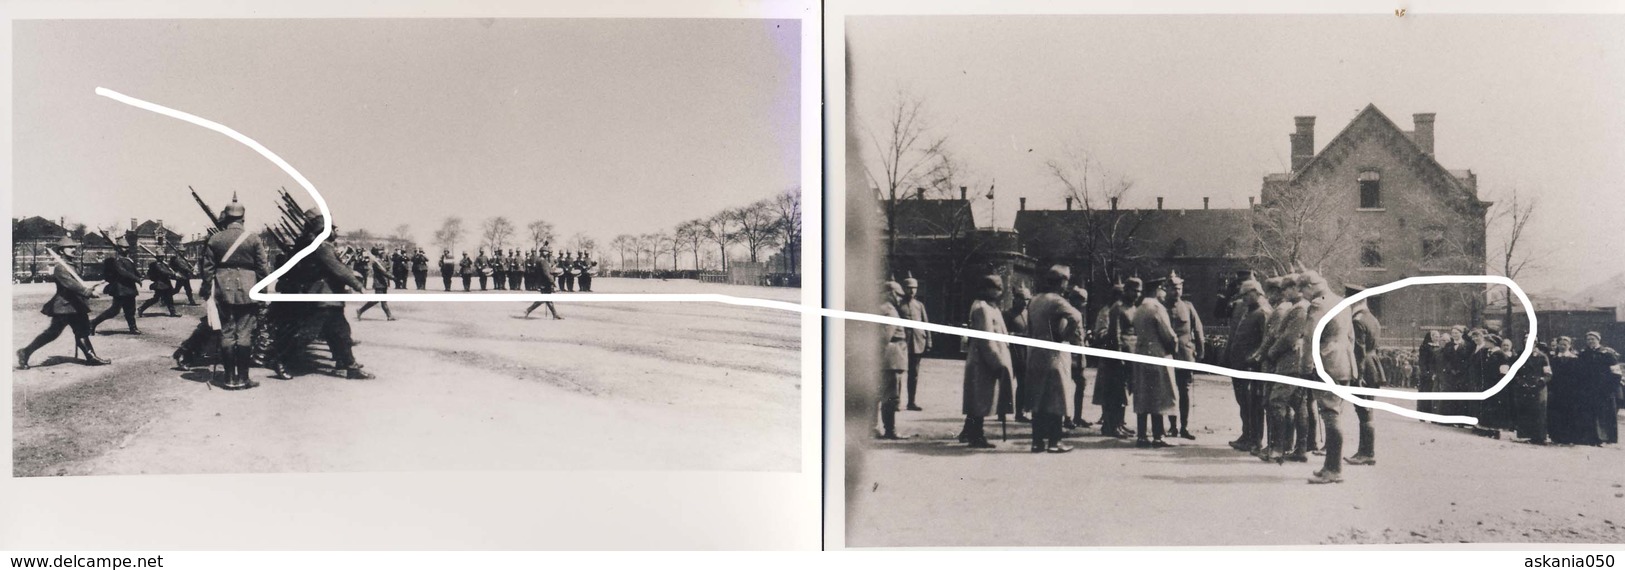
[1346, 392]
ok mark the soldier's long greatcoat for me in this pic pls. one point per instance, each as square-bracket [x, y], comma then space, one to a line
[986, 361]
[1154, 383]
[71, 298]
[1336, 342]
[1367, 333]
[1050, 317]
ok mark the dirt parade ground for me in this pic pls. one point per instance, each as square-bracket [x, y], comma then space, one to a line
[1431, 484]
[460, 386]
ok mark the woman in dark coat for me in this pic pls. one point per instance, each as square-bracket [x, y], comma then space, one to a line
[1428, 360]
[1531, 396]
[1561, 394]
[1454, 358]
[1598, 410]
[1498, 359]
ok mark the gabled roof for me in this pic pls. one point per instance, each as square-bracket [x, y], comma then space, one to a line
[149, 228]
[36, 227]
[1152, 233]
[1373, 116]
[927, 217]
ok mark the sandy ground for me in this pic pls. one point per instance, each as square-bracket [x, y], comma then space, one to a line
[1431, 484]
[460, 387]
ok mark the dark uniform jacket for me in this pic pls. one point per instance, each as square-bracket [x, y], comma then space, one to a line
[71, 298]
[420, 262]
[448, 265]
[228, 280]
[183, 270]
[1367, 331]
[322, 272]
[1248, 334]
[122, 280]
[465, 266]
[163, 278]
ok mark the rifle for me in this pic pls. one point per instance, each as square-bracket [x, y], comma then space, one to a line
[120, 251]
[214, 219]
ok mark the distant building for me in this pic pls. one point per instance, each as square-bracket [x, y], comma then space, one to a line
[30, 240]
[361, 239]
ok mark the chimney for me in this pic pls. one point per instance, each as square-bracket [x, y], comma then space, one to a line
[1303, 142]
[1250, 201]
[132, 224]
[1068, 202]
[919, 193]
[1114, 203]
[1023, 202]
[1159, 202]
[961, 192]
[1424, 131]
[1204, 202]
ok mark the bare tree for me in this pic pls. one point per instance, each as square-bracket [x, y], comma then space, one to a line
[450, 233]
[646, 244]
[497, 232]
[403, 233]
[621, 243]
[1303, 224]
[665, 243]
[541, 233]
[719, 230]
[757, 227]
[787, 207]
[1105, 237]
[583, 242]
[688, 237]
[906, 153]
[1513, 257]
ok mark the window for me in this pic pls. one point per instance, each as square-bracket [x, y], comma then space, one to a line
[1370, 190]
[1181, 248]
[1370, 254]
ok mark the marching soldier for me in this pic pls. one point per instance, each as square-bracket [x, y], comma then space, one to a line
[1154, 391]
[123, 284]
[1115, 329]
[544, 284]
[233, 261]
[448, 268]
[1250, 322]
[987, 362]
[482, 268]
[322, 273]
[184, 274]
[1187, 326]
[1050, 318]
[163, 287]
[1367, 331]
[465, 267]
[420, 269]
[69, 308]
[380, 285]
[919, 340]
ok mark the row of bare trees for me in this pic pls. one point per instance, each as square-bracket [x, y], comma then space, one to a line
[757, 228]
[498, 232]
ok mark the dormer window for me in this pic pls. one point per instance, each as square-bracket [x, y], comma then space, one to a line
[1370, 190]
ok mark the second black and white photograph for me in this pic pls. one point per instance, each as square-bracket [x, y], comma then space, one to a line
[1218, 199]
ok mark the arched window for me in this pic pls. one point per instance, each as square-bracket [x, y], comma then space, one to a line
[1370, 190]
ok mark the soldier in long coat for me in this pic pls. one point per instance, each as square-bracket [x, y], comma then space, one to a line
[1154, 390]
[1248, 321]
[1187, 325]
[1337, 354]
[1367, 334]
[1015, 321]
[893, 360]
[1050, 318]
[987, 362]
[233, 261]
[69, 308]
[123, 285]
[1079, 298]
[1115, 329]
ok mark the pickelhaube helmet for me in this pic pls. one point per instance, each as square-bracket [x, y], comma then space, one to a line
[234, 209]
[66, 247]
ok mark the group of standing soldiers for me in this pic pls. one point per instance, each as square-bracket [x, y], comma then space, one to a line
[537, 270]
[1274, 323]
[234, 259]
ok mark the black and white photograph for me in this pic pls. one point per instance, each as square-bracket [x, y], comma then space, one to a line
[476, 157]
[1207, 190]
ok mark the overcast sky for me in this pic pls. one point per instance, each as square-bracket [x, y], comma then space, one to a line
[1193, 106]
[598, 126]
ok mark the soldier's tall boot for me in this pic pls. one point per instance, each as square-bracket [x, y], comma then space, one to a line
[228, 370]
[90, 352]
[242, 355]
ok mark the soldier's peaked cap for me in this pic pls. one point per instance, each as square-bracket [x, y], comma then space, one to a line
[1133, 284]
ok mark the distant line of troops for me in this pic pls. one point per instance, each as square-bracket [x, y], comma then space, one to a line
[1274, 323]
[248, 332]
